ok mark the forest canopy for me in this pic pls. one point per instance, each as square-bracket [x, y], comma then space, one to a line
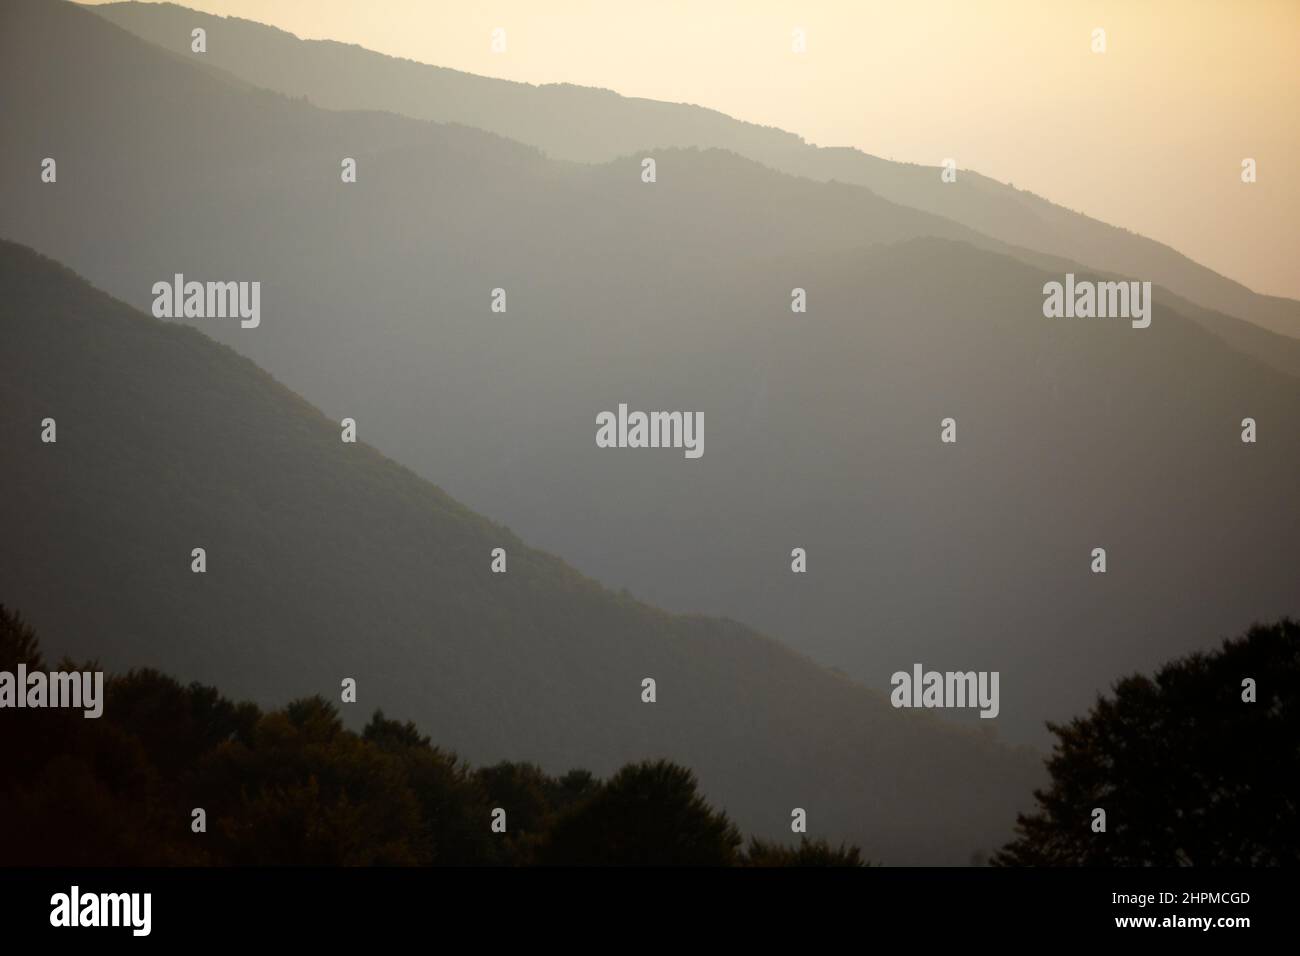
[294, 786]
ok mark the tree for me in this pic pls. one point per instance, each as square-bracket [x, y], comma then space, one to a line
[807, 853]
[649, 813]
[18, 643]
[1187, 771]
[454, 809]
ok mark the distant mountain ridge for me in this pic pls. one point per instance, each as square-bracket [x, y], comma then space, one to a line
[595, 126]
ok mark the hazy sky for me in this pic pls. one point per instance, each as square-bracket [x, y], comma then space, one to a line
[1149, 135]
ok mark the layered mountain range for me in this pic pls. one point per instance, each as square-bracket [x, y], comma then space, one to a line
[823, 428]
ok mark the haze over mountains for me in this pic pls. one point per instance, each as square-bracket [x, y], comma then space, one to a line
[597, 126]
[822, 430]
[327, 560]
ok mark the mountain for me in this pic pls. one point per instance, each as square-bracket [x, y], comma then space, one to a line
[326, 560]
[597, 126]
[822, 429]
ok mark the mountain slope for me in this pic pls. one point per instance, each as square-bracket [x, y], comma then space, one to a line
[822, 429]
[591, 125]
[326, 560]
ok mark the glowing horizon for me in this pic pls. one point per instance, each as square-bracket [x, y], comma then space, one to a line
[1149, 135]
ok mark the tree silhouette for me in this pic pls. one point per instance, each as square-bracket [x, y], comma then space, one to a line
[295, 786]
[649, 813]
[807, 853]
[453, 805]
[1188, 772]
[18, 643]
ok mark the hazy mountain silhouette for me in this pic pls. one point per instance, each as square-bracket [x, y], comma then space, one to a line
[327, 560]
[822, 430]
[594, 125]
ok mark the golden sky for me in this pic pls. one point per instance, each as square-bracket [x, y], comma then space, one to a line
[1149, 135]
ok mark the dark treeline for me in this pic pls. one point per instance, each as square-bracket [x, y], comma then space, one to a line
[1193, 766]
[294, 786]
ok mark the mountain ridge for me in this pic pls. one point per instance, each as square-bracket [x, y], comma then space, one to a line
[823, 427]
[602, 124]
